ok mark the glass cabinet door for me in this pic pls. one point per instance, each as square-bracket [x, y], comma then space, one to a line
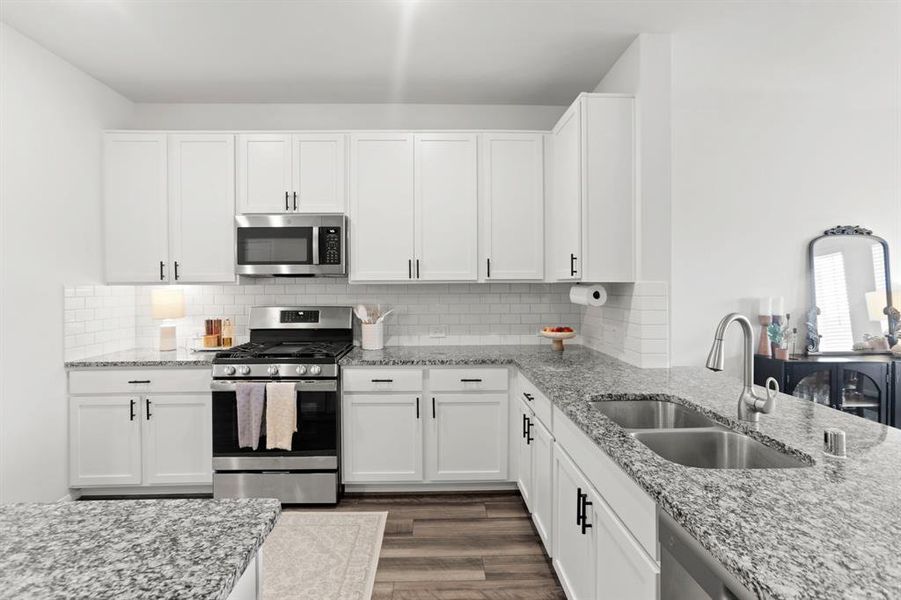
[815, 385]
[864, 393]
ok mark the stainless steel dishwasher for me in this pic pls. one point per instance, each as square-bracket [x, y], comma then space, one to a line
[688, 571]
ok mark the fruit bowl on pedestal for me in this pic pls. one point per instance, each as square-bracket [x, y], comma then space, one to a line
[557, 335]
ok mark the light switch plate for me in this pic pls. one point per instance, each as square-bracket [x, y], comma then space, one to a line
[438, 331]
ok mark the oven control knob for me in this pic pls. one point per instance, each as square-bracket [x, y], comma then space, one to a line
[245, 370]
[315, 370]
[302, 369]
[272, 370]
[229, 370]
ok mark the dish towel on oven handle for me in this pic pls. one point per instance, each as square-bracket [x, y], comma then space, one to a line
[250, 401]
[281, 415]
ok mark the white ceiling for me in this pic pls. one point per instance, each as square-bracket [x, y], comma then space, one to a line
[540, 52]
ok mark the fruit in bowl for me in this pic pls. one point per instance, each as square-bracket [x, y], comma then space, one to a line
[558, 334]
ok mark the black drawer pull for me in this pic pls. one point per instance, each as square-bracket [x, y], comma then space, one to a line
[471, 380]
[139, 381]
[382, 381]
[528, 397]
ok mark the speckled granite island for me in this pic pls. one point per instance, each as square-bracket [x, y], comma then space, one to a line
[172, 549]
[831, 530]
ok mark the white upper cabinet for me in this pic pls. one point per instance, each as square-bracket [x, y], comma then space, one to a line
[446, 199]
[283, 172]
[265, 170]
[134, 205]
[563, 210]
[319, 172]
[590, 213]
[512, 206]
[381, 207]
[202, 207]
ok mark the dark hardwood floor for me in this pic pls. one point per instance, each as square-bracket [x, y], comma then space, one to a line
[467, 546]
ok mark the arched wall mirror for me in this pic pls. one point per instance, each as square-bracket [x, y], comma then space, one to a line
[850, 285]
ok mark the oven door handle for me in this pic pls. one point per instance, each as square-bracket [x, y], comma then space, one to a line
[306, 385]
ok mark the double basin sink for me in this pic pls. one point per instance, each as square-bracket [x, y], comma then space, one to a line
[687, 437]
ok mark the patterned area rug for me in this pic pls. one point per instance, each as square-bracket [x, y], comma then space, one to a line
[322, 555]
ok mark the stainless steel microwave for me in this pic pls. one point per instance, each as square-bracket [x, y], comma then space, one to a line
[309, 245]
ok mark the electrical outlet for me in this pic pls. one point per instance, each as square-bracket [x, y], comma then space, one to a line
[438, 331]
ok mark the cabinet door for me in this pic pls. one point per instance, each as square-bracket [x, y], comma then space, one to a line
[381, 209]
[542, 444]
[467, 437]
[446, 207]
[564, 207]
[319, 172]
[264, 173]
[382, 437]
[134, 207]
[104, 441]
[608, 208]
[624, 570]
[177, 439]
[512, 196]
[202, 207]
[575, 546]
[524, 454]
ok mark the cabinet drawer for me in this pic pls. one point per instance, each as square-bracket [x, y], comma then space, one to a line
[537, 401]
[381, 380]
[139, 381]
[630, 503]
[468, 380]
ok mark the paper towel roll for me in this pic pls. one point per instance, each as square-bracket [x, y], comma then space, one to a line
[588, 295]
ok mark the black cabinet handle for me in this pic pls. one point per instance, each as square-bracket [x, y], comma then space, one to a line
[529, 438]
[295, 200]
[176, 270]
[131, 410]
[417, 407]
[572, 264]
[417, 268]
[528, 397]
[585, 504]
[409, 269]
[147, 408]
[578, 506]
[433, 408]
[524, 425]
[139, 381]
[471, 381]
[489, 267]
[382, 381]
[162, 265]
[286, 200]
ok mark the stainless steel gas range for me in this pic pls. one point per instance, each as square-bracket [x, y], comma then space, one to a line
[288, 344]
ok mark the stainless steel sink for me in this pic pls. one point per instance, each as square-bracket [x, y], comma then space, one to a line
[650, 414]
[715, 448]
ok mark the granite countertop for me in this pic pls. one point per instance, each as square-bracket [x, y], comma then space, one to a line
[144, 357]
[831, 530]
[161, 549]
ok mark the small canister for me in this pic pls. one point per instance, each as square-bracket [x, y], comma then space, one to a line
[372, 336]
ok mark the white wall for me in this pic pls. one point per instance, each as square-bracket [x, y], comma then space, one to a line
[343, 116]
[50, 220]
[782, 127]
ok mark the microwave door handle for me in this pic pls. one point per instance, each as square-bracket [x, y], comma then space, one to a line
[315, 245]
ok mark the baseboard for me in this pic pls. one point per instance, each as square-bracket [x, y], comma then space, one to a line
[72, 496]
[361, 488]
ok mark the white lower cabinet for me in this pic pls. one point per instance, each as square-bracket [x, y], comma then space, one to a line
[134, 437]
[467, 438]
[624, 569]
[177, 439]
[382, 437]
[104, 441]
[542, 445]
[575, 533]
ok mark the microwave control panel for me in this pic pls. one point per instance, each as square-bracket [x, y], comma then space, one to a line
[329, 245]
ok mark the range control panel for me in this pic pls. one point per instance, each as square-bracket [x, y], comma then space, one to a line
[330, 245]
[299, 316]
